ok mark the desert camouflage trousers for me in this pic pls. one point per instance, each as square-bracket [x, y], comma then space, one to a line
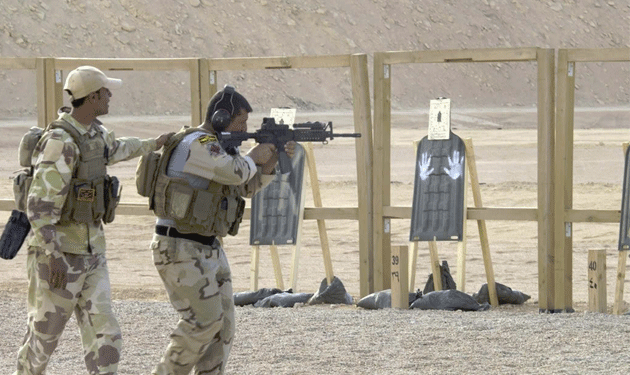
[199, 285]
[88, 295]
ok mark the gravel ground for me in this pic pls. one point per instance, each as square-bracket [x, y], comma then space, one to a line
[349, 340]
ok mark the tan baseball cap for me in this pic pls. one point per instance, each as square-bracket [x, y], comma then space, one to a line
[86, 79]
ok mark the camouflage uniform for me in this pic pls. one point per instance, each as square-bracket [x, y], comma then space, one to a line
[197, 275]
[82, 249]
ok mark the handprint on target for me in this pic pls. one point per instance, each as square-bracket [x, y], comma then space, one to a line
[423, 167]
[455, 165]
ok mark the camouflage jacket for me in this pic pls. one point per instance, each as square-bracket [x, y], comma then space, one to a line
[206, 159]
[54, 161]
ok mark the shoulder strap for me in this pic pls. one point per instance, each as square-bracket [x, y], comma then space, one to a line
[172, 143]
[74, 133]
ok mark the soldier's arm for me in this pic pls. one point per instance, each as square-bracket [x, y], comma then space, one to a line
[207, 159]
[55, 160]
[126, 148]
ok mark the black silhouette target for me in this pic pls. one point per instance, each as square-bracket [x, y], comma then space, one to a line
[438, 194]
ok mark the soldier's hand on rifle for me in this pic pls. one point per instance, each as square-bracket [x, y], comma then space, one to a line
[161, 140]
[57, 272]
[290, 148]
[261, 153]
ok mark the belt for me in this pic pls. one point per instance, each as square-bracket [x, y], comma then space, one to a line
[172, 232]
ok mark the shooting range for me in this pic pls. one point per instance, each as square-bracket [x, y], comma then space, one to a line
[555, 291]
[480, 224]
[398, 269]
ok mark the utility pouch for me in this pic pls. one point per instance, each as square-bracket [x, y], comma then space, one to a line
[239, 211]
[112, 197]
[179, 198]
[82, 204]
[79, 204]
[21, 184]
[146, 173]
[203, 210]
[229, 215]
[14, 234]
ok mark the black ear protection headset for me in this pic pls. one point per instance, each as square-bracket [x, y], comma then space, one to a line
[221, 118]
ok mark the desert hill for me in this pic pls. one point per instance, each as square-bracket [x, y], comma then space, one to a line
[255, 28]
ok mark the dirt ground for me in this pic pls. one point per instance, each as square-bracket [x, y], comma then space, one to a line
[505, 148]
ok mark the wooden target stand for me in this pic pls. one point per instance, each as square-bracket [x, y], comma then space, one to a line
[471, 171]
[618, 307]
[323, 237]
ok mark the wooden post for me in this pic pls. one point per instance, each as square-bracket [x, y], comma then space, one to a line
[317, 201]
[413, 261]
[461, 245]
[54, 88]
[435, 266]
[41, 92]
[382, 170]
[399, 279]
[363, 124]
[618, 307]
[205, 87]
[563, 180]
[196, 107]
[277, 270]
[597, 281]
[546, 141]
[471, 161]
[253, 268]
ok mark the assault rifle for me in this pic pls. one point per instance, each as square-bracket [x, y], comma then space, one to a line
[280, 134]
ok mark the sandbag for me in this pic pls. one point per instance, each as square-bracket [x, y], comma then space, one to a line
[284, 299]
[447, 279]
[450, 300]
[250, 298]
[335, 293]
[505, 294]
[383, 299]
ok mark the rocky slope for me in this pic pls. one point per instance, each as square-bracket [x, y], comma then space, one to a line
[254, 28]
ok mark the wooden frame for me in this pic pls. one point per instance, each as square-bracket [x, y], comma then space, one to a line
[54, 81]
[384, 212]
[30, 63]
[562, 287]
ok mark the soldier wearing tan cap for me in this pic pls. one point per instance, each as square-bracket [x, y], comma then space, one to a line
[70, 198]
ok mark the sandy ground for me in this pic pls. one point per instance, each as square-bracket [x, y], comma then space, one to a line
[328, 340]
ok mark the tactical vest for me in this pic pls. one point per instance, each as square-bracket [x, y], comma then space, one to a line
[92, 194]
[217, 210]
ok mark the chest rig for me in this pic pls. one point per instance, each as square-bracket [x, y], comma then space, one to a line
[217, 210]
[92, 194]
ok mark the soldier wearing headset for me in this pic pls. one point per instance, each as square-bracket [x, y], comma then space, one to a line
[197, 201]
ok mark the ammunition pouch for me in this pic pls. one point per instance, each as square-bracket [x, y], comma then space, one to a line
[112, 198]
[217, 210]
[21, 184]
[91, 201]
